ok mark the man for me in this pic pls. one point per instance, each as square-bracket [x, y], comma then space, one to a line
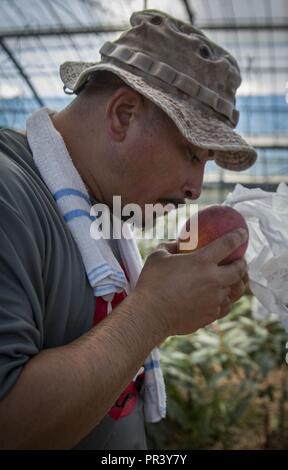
[144, 123]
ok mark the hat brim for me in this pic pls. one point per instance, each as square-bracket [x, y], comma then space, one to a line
[201, 128]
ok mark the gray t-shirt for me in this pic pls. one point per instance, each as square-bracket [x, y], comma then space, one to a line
[45, 297]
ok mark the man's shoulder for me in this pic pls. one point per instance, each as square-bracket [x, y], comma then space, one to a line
[14, 148]
[11, 138]
[9, 132]
[15, 163]
[16, 159]
[21, 187]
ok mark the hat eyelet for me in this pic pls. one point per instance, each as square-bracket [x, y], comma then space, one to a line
[156, 20]
[205, 52]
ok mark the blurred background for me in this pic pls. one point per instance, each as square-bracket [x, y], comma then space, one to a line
[227, 384]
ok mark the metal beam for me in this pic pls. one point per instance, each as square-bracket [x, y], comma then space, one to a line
[244, 27]
[21, 71]
[60, 31]
[189, 10]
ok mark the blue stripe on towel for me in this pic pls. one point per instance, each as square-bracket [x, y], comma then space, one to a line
[94, 278]
[76, 213]
[152, 365]
[70, 192]
[103, 265]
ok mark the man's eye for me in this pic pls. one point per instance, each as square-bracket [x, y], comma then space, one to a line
[193, 158]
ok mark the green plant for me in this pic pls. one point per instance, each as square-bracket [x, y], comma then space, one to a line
[213, 376]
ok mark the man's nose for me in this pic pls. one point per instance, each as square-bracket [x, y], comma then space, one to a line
[193, 187]
[192, 193]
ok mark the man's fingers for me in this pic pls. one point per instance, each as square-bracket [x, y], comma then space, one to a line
[232, 273]
[236, 291]
[218, 250]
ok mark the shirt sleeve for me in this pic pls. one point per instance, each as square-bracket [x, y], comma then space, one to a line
[21, 296]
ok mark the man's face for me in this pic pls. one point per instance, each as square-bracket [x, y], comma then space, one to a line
[159, 165]
[144, 157]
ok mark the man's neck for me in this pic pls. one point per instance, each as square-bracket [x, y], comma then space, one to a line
[76, 146]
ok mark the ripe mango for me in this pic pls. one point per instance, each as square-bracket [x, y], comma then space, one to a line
[213, 222]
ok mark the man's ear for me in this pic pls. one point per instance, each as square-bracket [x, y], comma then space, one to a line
[122, 108]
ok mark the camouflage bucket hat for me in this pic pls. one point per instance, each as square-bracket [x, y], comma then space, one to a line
[177, 67]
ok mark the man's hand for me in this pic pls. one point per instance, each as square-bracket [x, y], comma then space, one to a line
[188, 291]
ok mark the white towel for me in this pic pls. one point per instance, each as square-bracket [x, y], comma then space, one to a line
[103, 270]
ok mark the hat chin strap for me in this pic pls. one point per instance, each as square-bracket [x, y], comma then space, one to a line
[170, 76]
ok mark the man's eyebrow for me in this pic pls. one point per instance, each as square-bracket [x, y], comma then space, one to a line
[198, 152]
